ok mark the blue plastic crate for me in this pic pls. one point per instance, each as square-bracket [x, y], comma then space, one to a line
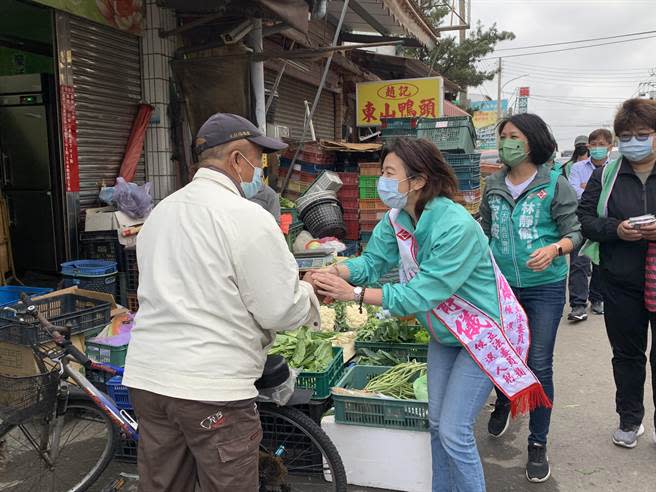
[119, 393]
[10, 294]
[88, 268]
[351, 248]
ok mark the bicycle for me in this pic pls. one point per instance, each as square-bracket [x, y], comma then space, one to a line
[59, 437]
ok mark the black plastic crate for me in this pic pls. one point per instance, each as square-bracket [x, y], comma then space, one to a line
[126, 451]
[102, 283]
[131, 270]
[102, 245]
[80, 313]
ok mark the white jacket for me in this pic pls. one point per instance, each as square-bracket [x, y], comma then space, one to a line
[216, 281]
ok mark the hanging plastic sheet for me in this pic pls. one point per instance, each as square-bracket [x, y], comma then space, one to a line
[135, 144]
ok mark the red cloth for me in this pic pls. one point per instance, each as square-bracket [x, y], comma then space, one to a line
[650, 278]
[135, 143]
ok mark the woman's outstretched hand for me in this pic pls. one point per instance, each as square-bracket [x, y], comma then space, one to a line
[330, 285]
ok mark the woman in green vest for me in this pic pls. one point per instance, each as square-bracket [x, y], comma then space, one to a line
[529, 215]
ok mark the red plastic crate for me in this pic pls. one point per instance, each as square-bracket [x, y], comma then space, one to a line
[349, 179]
[370, 169]
[349, 203]
[352, 229]
[372, 204]
[351, 213]
[368, 226]
[347, 192]
[372, 215]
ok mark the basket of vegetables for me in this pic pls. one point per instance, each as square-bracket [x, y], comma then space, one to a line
[380, 396]
[322, 364]
[391, 341]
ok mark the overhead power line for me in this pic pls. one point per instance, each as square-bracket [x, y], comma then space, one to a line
[578, 41]
[570, 49]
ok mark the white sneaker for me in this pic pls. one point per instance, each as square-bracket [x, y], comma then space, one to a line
[628, 438]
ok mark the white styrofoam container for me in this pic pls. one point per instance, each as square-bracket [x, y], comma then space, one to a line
[327, 181]
[366, 452]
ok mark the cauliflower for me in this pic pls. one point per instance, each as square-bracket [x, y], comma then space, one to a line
[354, 319]
[328, 316]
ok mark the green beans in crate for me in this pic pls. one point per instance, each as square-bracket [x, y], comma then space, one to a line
[376, 412]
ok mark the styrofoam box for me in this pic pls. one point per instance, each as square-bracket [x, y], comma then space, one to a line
[366, 453]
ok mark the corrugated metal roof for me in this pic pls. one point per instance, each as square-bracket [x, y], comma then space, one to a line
[451, 109]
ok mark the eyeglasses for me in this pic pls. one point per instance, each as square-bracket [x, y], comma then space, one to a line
[640, 138]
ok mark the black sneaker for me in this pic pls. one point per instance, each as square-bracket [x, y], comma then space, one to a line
[500, 419]
[579, 313]
[537, 466]
[598, 307]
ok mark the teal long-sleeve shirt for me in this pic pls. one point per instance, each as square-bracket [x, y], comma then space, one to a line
[453, 256]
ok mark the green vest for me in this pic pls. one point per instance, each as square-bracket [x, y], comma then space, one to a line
[517, 232]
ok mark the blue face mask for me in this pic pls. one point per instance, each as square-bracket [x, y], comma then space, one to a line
[635, 150]
[388, 190]
[599, 153]
[253, 188]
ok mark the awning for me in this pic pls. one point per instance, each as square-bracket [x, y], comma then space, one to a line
[293, 12]
[451, 109]
[391, 18]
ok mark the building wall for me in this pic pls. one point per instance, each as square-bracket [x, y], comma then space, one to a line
[156, 54]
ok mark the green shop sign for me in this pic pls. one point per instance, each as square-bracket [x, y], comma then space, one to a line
[126, 15]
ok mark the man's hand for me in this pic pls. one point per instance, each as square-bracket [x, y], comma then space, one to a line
[542, 258]
[628, 233]
[648, 232]
[309, 277]
[334, 287]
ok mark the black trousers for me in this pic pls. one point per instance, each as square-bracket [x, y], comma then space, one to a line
[579, 271]
[627, 325]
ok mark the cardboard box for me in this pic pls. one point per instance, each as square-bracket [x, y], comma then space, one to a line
[99, 219]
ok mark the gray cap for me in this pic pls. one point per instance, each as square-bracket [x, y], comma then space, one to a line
[581, 140]
[222, 128]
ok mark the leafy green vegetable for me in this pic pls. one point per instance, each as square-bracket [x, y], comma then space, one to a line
[422, 336]
[390, 330]
[286, 203]
[377, 358]
[304, 349]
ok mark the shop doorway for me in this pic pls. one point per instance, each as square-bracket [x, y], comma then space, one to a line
[30, 170]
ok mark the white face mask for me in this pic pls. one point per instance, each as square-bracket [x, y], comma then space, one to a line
[388, 190]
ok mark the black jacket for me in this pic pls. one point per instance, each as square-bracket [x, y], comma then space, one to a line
[622, 262]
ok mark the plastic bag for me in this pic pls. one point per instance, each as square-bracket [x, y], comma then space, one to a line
[106, 195]
[420, 386]
[331, 244]
[132, 199]
[281, 394]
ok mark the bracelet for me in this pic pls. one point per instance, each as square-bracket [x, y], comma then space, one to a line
[364, 289]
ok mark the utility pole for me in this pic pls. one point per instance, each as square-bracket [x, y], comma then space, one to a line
[499, 91]
[463, 36]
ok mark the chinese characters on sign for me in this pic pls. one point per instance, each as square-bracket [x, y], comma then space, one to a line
[69, 137]
[408, 98]
[485, 120]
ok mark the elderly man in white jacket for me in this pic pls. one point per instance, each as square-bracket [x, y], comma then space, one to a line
[216, 282]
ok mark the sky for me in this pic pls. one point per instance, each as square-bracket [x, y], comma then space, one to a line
[573, 91]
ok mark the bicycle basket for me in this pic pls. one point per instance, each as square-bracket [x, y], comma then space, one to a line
[81, 313]
[24, 397]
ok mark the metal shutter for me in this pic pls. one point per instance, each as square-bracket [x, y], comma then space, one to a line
[106, 70]
[290, 107]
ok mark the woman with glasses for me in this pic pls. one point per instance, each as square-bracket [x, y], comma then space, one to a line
[625, 189]
[529, 214]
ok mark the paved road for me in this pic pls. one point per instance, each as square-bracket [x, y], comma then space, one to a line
[581, 453]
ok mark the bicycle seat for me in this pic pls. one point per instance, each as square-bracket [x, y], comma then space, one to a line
[275, 372]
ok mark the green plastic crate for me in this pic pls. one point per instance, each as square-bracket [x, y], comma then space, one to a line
[321, 382]
[294, 230]
[377, 412]
[449, 134]
[368, 181]
[99, 352]
[368, 192]
[402, 351]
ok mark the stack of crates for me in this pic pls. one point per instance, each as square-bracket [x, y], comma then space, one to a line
[467, 168]
[104, 245]
[392, 128]
[310, 163]
[348, 197]
[132, 279]
[371, 208]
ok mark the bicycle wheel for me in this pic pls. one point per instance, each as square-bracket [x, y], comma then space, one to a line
[296, 454]
[86, 447]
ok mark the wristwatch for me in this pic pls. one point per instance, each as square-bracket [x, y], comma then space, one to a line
[357, 294]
